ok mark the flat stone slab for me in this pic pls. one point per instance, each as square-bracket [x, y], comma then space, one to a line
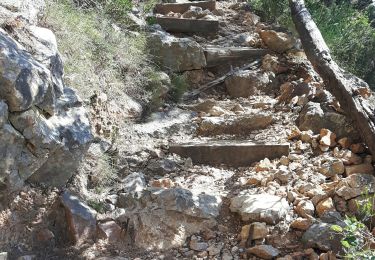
[183, 25]
[183, 7]
[234, 125]
[229, 152]
[260, 207]
[216, 55]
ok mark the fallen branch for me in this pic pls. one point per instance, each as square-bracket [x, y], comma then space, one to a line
[195, 93]
[345, 87]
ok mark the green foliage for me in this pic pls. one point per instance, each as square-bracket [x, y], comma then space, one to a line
[273, 11]
[355, 239]
[105, 173]
[366, 208]
[149, 5]
[97, 55]
[179, 86]
[346, 30]
[118, 7]
[349, 35]
[97, 205]
[356, 235]
[158, 88]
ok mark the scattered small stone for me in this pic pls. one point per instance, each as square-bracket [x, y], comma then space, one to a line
[365, 168]
[344, 142]
[258, 231]
[327, 138]
[80, 218]
[324, 206]
[353, 185]
[327, 256]
[234, 249]
[283, 175]
[217, 111]
[264, 165]
[196, 245]
[295, 134]
[332, 167]
[110, 230]
[245, 231]
[347, 156]
[208, 234]
[215, 250]
[301, 223]
[264, 251]
[227, 256]
[260, 207]
[163, 183]
[277, 41]
[284, 160]
[307, 136]
[324, 148]
[358, 148]
[305, 208]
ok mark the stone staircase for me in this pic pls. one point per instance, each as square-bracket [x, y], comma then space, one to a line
[246, 146]
[238, 150]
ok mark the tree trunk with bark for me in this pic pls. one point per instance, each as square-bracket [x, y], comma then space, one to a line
[345, 87]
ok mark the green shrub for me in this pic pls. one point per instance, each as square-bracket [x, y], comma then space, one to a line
[356, 232]
[346, 30]
[273, 11]
[97, 55]
[119, 7]
[350, 37]
[179, 86]
[356, 238]
[149, 5]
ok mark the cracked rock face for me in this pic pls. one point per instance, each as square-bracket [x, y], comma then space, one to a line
[163, 218]
[314, 117]
[176, 54]
[44, 129]
[260, 207]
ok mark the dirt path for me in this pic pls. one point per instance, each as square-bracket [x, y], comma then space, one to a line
[246, 170]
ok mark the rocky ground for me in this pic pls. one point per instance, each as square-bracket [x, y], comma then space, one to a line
[258, 166]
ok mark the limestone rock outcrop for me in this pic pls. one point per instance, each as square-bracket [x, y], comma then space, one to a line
[315, 117]
[44, 128]
[176, 54]
[163, 218]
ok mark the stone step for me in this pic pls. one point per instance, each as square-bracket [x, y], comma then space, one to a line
[183, 7]
[234, 153]
[234, 125]
[216, 55]
[183, 25]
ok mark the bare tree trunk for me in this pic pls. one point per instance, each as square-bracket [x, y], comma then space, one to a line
[343, 86]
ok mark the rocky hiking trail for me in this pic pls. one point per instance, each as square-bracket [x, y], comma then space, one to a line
[257, 161]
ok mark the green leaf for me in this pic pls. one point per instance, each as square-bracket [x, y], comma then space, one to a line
[345, 243]
[336, 228]
[352, 240]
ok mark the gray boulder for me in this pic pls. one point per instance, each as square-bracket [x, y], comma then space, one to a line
[44, 128]
[42, 43]
[25, 81]
[29, 10]
[260, 207]
[321, 236]
[314, 117]
[245, 83]
[176, 54]
[74, 131]
[164, 218]
[80, 219]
